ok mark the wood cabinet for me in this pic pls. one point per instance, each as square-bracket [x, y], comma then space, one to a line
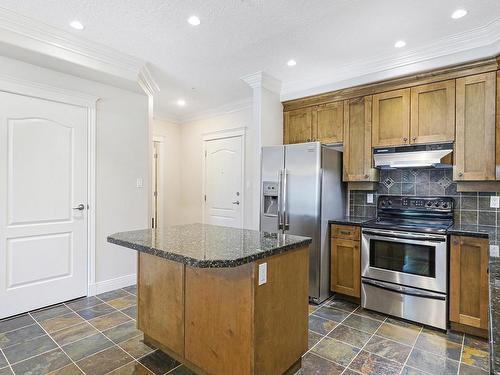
[329, 122]
[357, 160]
[475, 128]
[433, 112]
[345, 260]
[391, 118]
[469, 281]
[298, 126]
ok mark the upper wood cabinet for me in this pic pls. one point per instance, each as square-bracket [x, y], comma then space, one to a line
[324, 123]
[391, 118]
[475, 128]
[330, 122]
[357, 160]
[433, 112]
[469, 281]
[298, 126]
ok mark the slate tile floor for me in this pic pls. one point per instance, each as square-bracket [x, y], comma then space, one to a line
[97, 336]
[345, 339]
[94, 335]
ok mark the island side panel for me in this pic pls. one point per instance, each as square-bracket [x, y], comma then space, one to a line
[219, 315]
[281, 312]
[160, 309]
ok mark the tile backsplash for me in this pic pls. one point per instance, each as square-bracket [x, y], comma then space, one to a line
[470, 208]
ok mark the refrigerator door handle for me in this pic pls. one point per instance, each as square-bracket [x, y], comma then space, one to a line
[280, 199]
[286, 219]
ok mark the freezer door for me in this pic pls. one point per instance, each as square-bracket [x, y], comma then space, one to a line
[272, 164]
[301, 203]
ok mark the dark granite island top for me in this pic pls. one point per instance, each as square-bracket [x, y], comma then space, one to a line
[350, 220]
[223, 300]
[208, 246]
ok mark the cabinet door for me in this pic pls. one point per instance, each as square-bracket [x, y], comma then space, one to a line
[330, 122]
[433, 112]
[358, 141]
[475, 129]
[345, 267]
[298, 126]
[391, 118]
[469, 281]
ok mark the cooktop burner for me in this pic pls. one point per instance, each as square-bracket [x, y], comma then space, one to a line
[418, 214]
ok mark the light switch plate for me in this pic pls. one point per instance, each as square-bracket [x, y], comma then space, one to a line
[262, 273]
[140, 182]
[494, 251]
[494, 202]
[369, 198]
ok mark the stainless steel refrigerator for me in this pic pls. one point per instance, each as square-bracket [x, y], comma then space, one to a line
[301, 190]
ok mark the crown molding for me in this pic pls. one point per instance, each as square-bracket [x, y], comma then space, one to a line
[480, 42]
[262, 80]
[147, 82]
[225, 109]
[36, 36]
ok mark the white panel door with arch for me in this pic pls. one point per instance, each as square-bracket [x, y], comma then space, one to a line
[224, 182]
[43, 169]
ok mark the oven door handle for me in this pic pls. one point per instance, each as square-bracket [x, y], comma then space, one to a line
[404, 290]
[405, 236]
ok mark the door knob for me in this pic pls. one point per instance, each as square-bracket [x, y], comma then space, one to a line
[236, 202]
[80, 207]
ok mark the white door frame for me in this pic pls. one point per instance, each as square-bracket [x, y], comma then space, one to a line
[56, 94]
[222, 134]
[159, 199]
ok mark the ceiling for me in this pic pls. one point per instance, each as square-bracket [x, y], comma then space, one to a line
[331, 40]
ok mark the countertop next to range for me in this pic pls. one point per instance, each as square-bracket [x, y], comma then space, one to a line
[492, 233]
[208, 246]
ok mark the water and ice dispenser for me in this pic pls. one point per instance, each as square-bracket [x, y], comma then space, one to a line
[270, 191]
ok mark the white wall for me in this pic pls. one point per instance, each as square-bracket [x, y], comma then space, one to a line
[122, 156]
[192, 162]
[170, 164]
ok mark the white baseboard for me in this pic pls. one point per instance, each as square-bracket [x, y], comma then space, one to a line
[112, 284]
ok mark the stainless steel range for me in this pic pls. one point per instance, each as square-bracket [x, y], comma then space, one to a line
[404, 258]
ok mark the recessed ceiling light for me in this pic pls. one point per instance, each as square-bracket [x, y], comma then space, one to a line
[459, 13]
[400, 44]
[291, 62]
[75, 24]
[194, 20]
[181, 102]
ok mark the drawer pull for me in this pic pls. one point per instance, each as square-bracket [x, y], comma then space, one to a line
[346, 232]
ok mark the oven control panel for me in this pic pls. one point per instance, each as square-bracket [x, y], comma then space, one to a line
[441, 204]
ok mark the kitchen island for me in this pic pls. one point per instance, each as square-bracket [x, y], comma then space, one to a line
[223, 300]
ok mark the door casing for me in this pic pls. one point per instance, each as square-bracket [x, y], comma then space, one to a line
[56, 94]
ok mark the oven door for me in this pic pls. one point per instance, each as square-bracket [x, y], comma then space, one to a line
[412, 259]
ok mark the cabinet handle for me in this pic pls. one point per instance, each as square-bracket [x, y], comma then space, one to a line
[366, 176]
[346, 232]
[414, 138]
[405, 139]
[460, 174]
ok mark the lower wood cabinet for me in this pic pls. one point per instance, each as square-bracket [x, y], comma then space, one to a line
[345, 260]
[469, 281]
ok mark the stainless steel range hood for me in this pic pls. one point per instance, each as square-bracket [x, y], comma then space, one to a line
[412, 156]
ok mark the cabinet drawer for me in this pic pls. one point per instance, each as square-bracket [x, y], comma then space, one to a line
[348, 232]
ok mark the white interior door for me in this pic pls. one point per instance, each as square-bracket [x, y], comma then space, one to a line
[223, 182]
[43, 169]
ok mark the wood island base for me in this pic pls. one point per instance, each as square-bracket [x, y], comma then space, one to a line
[220, 320]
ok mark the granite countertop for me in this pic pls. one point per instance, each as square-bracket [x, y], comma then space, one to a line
[350, 220]
[208, 246]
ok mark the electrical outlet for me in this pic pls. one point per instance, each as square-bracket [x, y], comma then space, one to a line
[369, 198]
[139, 182]
[495, 202]
[494, 251]
[262, 273]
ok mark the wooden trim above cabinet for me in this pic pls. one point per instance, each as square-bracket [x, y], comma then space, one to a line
[431, 76]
